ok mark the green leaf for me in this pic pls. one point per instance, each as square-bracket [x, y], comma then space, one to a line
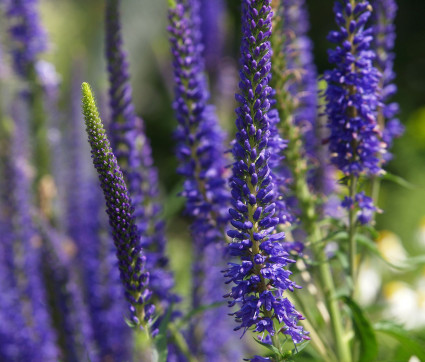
[198, 310]
[364, 332]
[405, 265]
[371, 245]
[414, 262]
[270, 347]
[161, 338]
[129, 323]
[399, 181]
[407, 341]
[298, 349]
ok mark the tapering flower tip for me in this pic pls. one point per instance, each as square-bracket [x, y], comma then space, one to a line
[125, 234]
[260, 278]
[384, 36]
[352, 92]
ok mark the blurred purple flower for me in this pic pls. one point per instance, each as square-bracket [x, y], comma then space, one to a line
[200, 151]
[383, 16]
[352, 93]
[28, 35]
[134, 154]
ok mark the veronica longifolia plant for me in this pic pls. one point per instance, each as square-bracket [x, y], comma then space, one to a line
[118, 203]
[260, 278]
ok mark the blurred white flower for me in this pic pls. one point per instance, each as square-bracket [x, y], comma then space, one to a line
[369, 283]
[405, 304]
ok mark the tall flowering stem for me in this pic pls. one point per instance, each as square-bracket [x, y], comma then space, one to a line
[96, 260]
[261, 278]
[29, 39]
[351, 105]
[133, 151]
[383, 16]
[118, 203]
[200, 151]
[298, 166]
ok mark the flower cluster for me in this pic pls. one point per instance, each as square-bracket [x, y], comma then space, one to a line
[383, 15]
[352, 92]
[200, 151]
[261, 278]
[28, 35]
[22, 262]
[364, 204]
[124, 231]
[101, 287]
[199, 138]
[133, 151]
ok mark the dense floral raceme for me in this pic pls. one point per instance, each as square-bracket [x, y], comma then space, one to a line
[213, 33]
[21, 273]
[95, 257]
[27, 32]
[352, 92]
[125, 233]
[261, 277]
[383, 15]
[201, 154]
[133, 151]
[298, 51]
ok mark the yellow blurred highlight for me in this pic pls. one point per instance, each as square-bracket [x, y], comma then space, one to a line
[391, 288]
[391, 247]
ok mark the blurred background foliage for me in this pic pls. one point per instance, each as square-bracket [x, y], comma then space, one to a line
[76, 30]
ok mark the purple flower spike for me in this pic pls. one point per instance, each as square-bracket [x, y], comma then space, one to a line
[134, 154]
[200, 151]
[26, 331]
[200, 140]
[260, 278]
[95, 259]
[352, 93]
[124, 230]
[383, 15]
[28, 35]
[298, 49]
[213, 35]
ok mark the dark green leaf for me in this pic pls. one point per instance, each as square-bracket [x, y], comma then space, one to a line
[161, 338]
[371, 245]
[407, 341]
[399, 181]
[129, 323]
[299, 348]
[268, 346]
[364, 332]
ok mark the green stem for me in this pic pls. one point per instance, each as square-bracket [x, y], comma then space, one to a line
[352, 232]
[143, 346]
[181, 343]
[328, 288]
[39, 128]
[316, 340]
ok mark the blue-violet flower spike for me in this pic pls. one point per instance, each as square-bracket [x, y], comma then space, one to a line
[118, 203]
[133, 151]
[383, 15]
[260, 278]
[352, 92]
